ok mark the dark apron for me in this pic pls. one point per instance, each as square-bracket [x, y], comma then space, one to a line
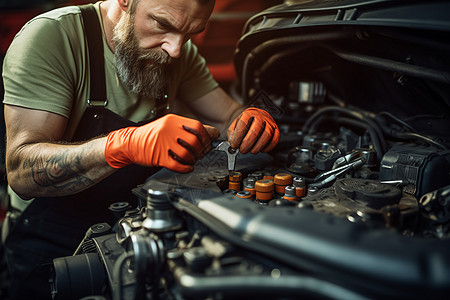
[53, 227]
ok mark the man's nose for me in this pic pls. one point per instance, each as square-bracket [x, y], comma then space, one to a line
[172, 44]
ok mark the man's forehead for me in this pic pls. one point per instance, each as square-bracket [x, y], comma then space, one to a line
[186, 16]
[202, 7]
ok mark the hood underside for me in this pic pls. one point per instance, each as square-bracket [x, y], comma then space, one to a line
[376, 55]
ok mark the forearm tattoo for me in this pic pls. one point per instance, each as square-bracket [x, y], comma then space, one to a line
[62, 172]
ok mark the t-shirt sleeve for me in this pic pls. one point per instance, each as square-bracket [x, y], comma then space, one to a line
[196, 80]
[36, 70]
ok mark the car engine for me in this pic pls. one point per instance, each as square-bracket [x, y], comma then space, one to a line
[353, 203]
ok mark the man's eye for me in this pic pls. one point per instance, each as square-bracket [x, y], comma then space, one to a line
[162, 25]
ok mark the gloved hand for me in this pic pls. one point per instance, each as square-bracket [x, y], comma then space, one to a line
[254, 130]
[172, 141]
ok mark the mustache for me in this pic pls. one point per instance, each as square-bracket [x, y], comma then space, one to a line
[155, 56]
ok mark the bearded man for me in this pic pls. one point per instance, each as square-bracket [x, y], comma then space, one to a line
[69, 156]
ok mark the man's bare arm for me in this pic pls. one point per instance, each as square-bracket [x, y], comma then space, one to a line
[39, 165]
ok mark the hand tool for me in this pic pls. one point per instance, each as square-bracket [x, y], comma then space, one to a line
[329, 177]
[231, 155]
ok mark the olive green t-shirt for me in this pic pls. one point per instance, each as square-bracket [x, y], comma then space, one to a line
[47, 68]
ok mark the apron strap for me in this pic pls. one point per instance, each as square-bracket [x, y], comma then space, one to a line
[94, 38]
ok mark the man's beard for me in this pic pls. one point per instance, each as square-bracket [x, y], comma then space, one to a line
[144, 72]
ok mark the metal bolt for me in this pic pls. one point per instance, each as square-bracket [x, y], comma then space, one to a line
[299, 182]
[289, 191]
[312, 190]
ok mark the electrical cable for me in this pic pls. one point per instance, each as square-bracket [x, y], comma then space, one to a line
[388, 114]
[412, 135]
[372, 133]
[260, 50]
[357, 114]
[315, 124]
[409, 135]
[356, 123]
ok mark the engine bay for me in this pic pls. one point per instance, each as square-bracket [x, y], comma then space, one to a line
[353, 203]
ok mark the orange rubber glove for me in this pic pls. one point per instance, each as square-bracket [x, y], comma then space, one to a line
[254, 130]
[172, 141]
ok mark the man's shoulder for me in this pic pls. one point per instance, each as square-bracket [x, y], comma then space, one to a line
[52, 27]
[59, 13]
[49, 23]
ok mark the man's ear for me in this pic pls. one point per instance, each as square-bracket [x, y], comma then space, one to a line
[123, 4]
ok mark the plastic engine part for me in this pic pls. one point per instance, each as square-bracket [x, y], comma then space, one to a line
[424, 167]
